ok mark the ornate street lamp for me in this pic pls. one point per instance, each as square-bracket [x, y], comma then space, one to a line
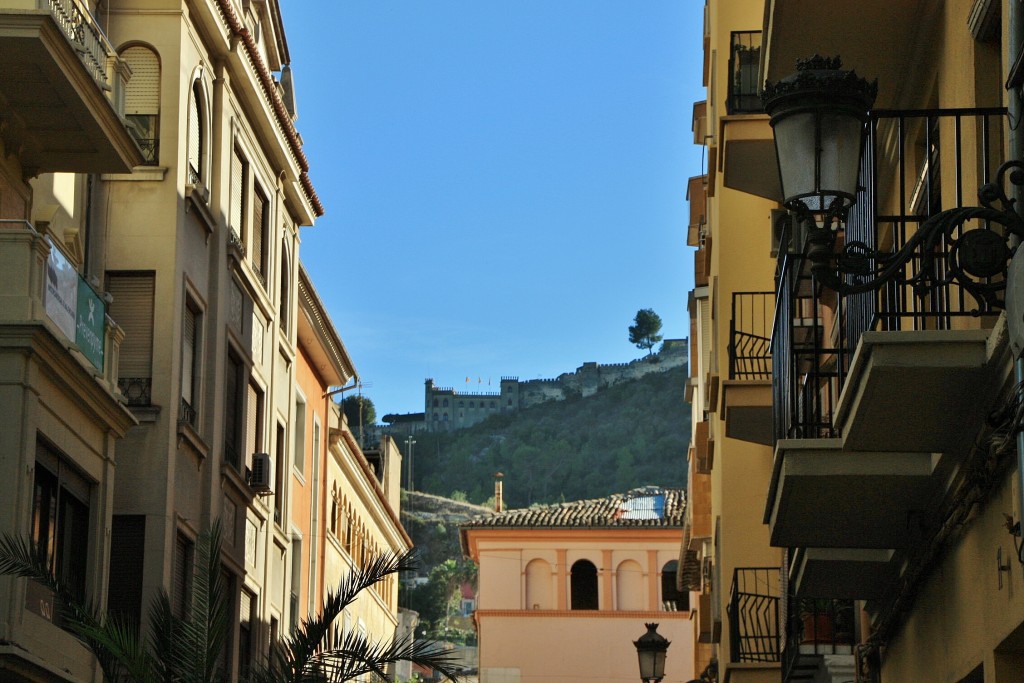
[818, 115]
[650, 650]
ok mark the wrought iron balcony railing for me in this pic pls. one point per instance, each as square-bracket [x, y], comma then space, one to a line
[816, 331]
[750, 332]
[744, 63]
[816, 627]
[136, 390]
[754, 633]
[187, 414]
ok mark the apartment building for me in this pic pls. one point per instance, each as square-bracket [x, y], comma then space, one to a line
[890, 480]
[167, 362]
[61, 105]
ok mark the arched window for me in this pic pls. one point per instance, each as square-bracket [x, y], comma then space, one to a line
[334, 515]
[583, 585]
[284, 307]
[445, 404]
[435, 402]
[142, 100]
[629, 586]
[538, 585]
[196, 134]
[672, 599]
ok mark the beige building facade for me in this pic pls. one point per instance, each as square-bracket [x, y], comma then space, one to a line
[885, 471]
[166, 361]
[564, 590]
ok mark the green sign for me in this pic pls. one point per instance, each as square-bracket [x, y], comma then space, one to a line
[89, 326]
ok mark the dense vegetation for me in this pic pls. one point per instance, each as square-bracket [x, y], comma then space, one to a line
[632, 434]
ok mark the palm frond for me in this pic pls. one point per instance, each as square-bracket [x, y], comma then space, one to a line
[358, 656]
[313, 635]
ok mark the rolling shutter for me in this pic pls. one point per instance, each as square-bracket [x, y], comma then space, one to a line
[188, 355]
[142, 95]
[259, 215]
[195, 135]
[132, 309]
[237, 207]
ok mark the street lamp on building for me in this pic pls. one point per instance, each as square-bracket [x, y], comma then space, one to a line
[651, 648]
[820, 118]
[818, 115]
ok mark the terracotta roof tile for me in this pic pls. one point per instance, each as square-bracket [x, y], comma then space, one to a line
[647, 507]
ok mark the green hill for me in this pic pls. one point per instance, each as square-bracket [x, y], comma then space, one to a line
[632, 434]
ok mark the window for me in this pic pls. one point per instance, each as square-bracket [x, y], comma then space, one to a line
[237, 198]
[672, 599]
[299, 454]
[253, 420]
[60, 526]
[196, 135]
[260, 224]
[181, 580]
[334, 513]
[583, 584]
[285, 290]
[279, 461]
[293, 611]
[132, 309]
[127, 544]
[142, 101]
[233, 393]
[190, 358]
[245, 628]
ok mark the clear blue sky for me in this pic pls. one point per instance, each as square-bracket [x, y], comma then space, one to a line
[504, 181]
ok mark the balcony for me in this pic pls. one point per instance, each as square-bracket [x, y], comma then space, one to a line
[747, 394]
[820, 635]
[62, 89]
[744, 65]
[754, 632]
[877, 393]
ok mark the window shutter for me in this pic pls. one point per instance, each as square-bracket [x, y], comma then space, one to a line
[180, 577]
[251, 427]
[237, 193]
[188, 355]
[259, 215]
[142, 96]
[127, 544]
[195, 134]
[132, 309]
[232, 411]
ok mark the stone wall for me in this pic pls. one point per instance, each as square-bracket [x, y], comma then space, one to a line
[446, 409]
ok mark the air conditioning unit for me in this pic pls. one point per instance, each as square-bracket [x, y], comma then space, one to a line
[261, 476]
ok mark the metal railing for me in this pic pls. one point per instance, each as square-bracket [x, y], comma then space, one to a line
[750, 330]
[187, 414]
[136, 390]
[754, 633]
[816, 330]
[816, 627]
[744, 63]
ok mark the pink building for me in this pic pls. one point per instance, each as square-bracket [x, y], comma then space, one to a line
[564, 590]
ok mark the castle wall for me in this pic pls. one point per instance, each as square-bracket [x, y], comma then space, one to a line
[446, 409]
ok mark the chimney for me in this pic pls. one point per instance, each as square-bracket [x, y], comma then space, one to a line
[498, 504]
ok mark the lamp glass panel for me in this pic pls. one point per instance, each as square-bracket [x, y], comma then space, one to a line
[659, 664]
[647, 663]
[794, 141]
[840, 154]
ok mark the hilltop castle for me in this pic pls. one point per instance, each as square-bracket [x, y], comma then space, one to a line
[446, 409]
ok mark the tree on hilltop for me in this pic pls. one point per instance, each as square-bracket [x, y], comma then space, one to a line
[644, 332]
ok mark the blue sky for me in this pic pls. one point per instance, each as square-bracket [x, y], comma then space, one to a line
[504, 181]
